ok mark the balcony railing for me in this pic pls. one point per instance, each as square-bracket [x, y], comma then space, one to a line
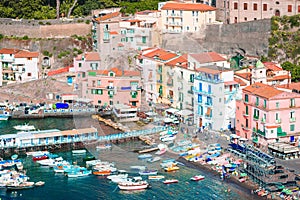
[203, 92]
[278, 121]
[293, 119]
[204, 78]
[245, 114]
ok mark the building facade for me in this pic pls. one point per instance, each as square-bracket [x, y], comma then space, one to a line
[110, 87]
[267, 115]
[178, 17]
[214, 98]
[235, 11]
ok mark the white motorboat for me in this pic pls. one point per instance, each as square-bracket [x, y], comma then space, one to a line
[24, 127]
[79, 151]
[136, 183]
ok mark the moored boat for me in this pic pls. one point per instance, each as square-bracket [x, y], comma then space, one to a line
[148, 172]
[157, 177]
[104, 146]
[136, 183]
[19, 185]
[39, 183]
[144, 156]
[36, 158]
[79, 151]
[171, 168]
[170, 181]
[79, 173]
[155, 159]
[24, 127]
[198, 178]
[161, 152]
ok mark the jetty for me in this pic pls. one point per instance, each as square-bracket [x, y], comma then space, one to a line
[55, 139]
[110, 123]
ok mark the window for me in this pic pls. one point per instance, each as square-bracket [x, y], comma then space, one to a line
[265, 7]
[144, 39]
[99, 91]
[199, 98]
[290, 8]
[94, 66]
[292, 102]
[200, 110]
[209, 89]
[265, 103]
[255, 6]
[235, 19]
[277, 116]
[245, 6]
[277, 105]
[111, 102]
[200, 87]
[247, 110]
[79, 64]
[292, 127]
[246, 98]
[99, 101]
[235, 5]
[98, 82]
[192, 78]
[257, 101]
[245, 19]
[256, 114]
[29, 58]
[28, 74]
[292, 114]
[111, 74]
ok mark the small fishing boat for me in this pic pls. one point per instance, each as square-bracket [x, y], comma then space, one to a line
[24, 127]
[144, 156]
[155, 159]
[198, 178]
[20, 185]
[117, 178]
[138, 167]
[171, 168]
[37, 153]
[148, 172]
[136, 183]
[161, 152]
[79, 173]
[104, 146]
[79, 151]
[157, 177]
[170, 181]
[89, 158]
[36, 158]
[39, 183]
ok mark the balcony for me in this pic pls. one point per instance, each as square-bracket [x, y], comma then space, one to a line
[255, 139]
[210, 80]
[245, 128]
[278, 121]
[263, 120]
[203, 92]
[293, 119]
[230, 92]
[109, 87]
[255, 118]
[174, 23]
[245, 114]
[175, 15]
[208, 117]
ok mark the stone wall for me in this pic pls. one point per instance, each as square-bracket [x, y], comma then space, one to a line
[44, 28]
[252, 37]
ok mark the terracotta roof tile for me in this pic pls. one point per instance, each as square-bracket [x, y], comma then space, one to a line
[280, 77]
[161, 54]
[26, 54]
[181, 61]
[246, 76]
[291, 86]
[113, 33]
[9, 51]
[188, 7]
[240, 81]
[208, 71]
[262, 90]
[272, 66]
[119, 72]
[107, 16]
[208, 57]
[89, 56]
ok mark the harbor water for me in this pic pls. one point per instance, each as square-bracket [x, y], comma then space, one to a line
[58, 186]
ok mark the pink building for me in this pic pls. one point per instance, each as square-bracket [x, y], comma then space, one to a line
[268, 115]
[87, 61]
[110, 87]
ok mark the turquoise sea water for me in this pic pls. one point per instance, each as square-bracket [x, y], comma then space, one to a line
[58, 186]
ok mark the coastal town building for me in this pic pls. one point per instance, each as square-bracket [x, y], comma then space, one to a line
[268, 73]
[125, 113]
[214, 98]
[231, 11]
[18, 66]
[110, 87]
[180, 17]
[267, 115]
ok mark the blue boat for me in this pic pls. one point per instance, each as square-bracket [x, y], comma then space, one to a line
[144, 156]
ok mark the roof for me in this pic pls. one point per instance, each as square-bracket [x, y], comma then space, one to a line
[240, 81]
[271, 126]
[262, 90]
[107, 16]
[89, 56]
[231, 83]
[180, 61]
[208, 57]
[272, 66]
[246, 76]
[146, 12]
[113, 33]
[26, 54]
[212, 69]
[133, 20]
[161, 54]
[291, 86]
[188, 7]
[9, 51]
[280, 77]
[119, 72]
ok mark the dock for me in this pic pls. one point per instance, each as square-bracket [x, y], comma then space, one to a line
[110, 123]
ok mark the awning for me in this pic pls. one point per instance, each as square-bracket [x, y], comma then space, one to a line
[279, 129]
[185, 112]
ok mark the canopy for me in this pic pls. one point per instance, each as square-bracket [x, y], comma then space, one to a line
[185, 112]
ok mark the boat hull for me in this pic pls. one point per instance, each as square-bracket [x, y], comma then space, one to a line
[133, 187]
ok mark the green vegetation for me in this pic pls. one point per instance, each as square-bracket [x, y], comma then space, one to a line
[284, 43]
[47, 9]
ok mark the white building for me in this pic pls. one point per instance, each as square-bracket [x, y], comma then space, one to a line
[186, 17]
[214, 93]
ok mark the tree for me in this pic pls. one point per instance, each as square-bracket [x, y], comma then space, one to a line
[71, 9]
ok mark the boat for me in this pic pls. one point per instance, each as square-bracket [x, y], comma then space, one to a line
[148, 172]
[148, 150]
[89, 158]
[79, 173]
[171, 168]
[155, 159]
[138, 167]
[79, 151]
[170, 181]
[36, 158]
[117, 178]
[24, 127]
[19, 185]
[39, 183]
[4, 112]
[104, 146]
[37, 153]
[157, 177]
[161, 152]
[198, 178]
[136, 183]
[144, 156]
[14, 157]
